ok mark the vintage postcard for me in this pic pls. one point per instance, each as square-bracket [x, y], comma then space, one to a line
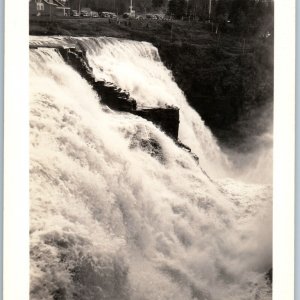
[149, 150]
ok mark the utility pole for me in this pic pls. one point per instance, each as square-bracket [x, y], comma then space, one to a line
[131, 11]
[79, 8]
[51, 11]
[187, 7]
[209, 10]
[194, 13]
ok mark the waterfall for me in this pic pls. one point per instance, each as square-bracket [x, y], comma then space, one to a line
[114, 216]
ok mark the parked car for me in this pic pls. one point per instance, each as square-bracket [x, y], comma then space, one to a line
[129, 15]
[74, 13]
[151, 16]
[104, 14]
[94, 14]
[107, 14]
[158, 17]
[84, 14]
[113, 15]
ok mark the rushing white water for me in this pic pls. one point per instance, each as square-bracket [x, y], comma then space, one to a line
[110, 220]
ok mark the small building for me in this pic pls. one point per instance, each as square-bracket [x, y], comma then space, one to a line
[48, 8]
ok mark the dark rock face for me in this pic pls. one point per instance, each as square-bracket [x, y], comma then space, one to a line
[166, 118]
[188, 149]
[151, 146]
[114, 97]
[110, 94]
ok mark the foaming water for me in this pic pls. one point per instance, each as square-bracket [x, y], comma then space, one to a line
[136, 67]
[112, 220]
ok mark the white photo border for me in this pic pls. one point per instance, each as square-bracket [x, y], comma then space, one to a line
[16, 151]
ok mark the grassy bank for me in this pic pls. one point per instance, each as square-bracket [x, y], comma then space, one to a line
[226, 78]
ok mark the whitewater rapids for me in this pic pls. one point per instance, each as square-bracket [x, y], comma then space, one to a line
[110, 220]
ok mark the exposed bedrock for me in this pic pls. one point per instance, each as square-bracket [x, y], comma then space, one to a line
[166, 118]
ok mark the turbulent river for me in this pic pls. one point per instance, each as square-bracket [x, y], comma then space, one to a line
[108, 219]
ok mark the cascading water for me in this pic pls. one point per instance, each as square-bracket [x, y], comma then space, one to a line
[112, 220]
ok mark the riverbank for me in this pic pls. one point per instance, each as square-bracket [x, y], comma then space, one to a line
[226, 78]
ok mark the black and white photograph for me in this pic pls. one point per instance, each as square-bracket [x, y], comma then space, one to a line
[150, 149]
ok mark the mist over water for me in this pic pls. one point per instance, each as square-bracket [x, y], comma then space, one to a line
[256, 166]
[110, 220]
[252, 159]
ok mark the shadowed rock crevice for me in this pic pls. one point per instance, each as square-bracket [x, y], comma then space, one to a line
[150, 146]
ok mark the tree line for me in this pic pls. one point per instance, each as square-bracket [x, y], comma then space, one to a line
[243, 16]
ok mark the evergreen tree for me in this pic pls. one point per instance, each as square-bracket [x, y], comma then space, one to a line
[177, 8]
[157, 3]
[221, 14]
[222, 8]
[143, 6]
[239, 16]
[181, 8]
[172, 7]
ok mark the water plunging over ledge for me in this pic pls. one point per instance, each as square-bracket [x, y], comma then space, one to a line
[118, 210]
